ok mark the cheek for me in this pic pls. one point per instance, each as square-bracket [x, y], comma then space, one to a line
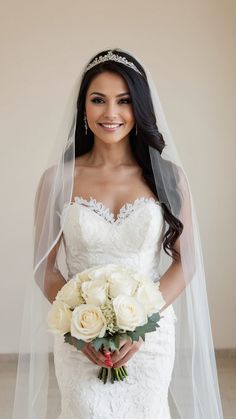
[92, 112]
[130, 116]
[128, 112]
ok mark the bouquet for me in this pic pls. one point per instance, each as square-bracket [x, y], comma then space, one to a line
[104, 305]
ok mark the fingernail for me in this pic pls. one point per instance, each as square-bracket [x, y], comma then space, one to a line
[107, 354]
[108, 363]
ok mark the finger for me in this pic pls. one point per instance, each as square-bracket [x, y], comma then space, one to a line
[102, 360]
[123, 342]
[122, 361]
[97, 354]
[125, 355]
[106, 353]
[116, 356]
[92, 358]
[125, 359]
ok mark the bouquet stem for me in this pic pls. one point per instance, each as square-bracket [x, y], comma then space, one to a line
[116, 374]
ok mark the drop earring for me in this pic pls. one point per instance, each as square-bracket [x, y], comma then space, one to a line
[85, 125]
[136, 129]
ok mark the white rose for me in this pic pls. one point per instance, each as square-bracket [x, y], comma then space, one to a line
[129, 312]
[150, 297]
[121, 282]
[59, 318]
[95, 292]
[84, 275]
[88, 322]
[102, 271]
[70, 294]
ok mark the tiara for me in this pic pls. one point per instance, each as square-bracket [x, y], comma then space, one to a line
[112, 57]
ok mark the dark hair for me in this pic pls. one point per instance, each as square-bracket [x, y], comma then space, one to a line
[148, 133]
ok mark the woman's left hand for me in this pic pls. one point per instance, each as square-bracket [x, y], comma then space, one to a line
[126, 351]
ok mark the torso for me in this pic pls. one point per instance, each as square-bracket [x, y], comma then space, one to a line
[112, 187]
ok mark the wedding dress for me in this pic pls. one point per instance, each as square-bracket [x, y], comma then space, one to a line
[93, 236]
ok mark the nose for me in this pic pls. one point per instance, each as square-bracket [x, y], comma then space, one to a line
[111, 111]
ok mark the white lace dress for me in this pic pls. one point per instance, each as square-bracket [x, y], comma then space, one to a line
[93, 236]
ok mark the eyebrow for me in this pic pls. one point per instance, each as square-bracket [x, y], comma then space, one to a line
[101, 94]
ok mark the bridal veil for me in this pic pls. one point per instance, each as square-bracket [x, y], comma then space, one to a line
[194, 388]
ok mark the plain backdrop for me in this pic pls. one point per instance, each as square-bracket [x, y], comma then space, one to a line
[189, 47]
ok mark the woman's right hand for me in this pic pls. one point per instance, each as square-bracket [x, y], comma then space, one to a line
[97, 357]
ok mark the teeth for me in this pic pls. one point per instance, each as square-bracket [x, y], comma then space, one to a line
[110, 125]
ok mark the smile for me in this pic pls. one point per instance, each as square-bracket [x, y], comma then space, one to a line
[110, 127]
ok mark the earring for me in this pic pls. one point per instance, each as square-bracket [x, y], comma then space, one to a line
[136, 129]
[85, 125]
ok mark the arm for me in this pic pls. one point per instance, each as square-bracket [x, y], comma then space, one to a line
[172, 282]
[181, 271]
[53, 280]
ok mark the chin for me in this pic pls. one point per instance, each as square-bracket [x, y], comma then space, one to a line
[110, 138]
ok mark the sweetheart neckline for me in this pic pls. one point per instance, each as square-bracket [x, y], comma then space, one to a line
[105, 212]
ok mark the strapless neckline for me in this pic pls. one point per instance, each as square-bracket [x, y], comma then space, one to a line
[92, 235]
[126, 209]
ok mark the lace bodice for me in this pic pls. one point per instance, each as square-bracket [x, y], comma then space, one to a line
[93, 236]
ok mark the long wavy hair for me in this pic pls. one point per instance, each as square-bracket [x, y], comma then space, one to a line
[147, 132]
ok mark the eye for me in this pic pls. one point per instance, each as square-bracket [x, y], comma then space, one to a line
[96, 100]
[126, 101]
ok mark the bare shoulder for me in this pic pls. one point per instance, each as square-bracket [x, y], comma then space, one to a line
[46, 179]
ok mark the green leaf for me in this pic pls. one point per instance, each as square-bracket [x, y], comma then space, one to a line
[117, 341]
[106, 342]
[150, 326]
[78, 343]
[98, 342]
[125, 335]
[66, 336]
[155, 317]
[112, 345]
[136, 335]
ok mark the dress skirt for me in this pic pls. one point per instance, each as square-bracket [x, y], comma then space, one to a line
[142, 395]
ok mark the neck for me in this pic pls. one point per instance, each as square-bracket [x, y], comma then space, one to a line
[111, 155]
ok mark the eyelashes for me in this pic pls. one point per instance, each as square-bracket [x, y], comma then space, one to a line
[98, 100]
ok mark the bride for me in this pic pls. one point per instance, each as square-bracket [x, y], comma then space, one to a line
[114, 196]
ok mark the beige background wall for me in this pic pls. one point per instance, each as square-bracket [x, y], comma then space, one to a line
[189, 46]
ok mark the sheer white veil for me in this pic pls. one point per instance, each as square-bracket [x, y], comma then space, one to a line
[194, 388]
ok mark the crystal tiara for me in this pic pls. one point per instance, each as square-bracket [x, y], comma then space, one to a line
[112, 57]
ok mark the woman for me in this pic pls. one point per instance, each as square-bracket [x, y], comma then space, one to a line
[114, 198]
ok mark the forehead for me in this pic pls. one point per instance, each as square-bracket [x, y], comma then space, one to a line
[108, 83]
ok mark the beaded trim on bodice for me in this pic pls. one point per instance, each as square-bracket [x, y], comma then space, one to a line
[105, 212]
